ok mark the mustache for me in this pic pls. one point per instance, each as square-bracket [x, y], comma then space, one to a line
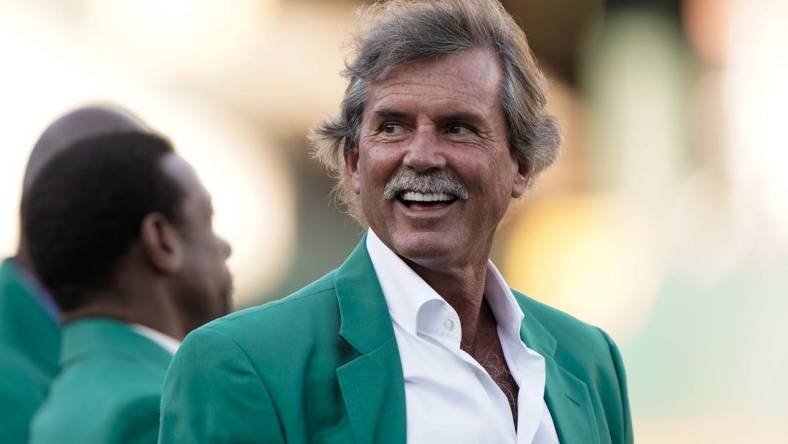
[434, 182]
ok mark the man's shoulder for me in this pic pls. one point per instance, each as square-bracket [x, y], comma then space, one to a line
[550, 316]
[121, 386]
[110, 381]
[119, 389]
[22, 390]
[587, 353]
[25, 325]
[17, 368]
[117, 415]
[586, 343]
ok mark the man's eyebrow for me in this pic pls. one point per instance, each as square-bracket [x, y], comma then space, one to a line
[462, 116]
[452, 116]
[388, 113]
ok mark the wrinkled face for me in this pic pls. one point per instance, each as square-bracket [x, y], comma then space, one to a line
[434, 171]
[203, 284]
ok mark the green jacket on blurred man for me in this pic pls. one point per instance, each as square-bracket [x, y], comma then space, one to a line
[29, 349]
[108, 388]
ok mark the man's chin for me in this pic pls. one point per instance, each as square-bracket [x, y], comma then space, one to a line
[427, 249]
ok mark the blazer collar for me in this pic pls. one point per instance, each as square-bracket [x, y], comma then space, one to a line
[372, 384]
[104, 336]
[532, 332]
[365, 320]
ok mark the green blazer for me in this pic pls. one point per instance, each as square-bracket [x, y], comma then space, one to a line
[29, 350]
[322, 366]
[108, 390]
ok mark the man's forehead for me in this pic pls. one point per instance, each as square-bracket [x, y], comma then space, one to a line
[474, 64]
[468, 78]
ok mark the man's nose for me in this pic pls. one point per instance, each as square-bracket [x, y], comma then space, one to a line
[424, 152]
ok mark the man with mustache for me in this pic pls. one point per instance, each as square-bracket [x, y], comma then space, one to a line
[416, 337]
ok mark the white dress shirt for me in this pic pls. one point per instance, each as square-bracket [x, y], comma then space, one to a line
[449, 396]
[164, 341]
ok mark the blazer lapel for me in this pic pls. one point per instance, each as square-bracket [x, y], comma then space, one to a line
[566, 395]
[570, 405]
[372, 384]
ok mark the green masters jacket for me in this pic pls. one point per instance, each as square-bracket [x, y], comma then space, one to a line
[108, 390]
[322, 366]
[29, 351]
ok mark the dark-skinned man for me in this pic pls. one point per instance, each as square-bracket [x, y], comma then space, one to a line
[29, 318]
[417, 337]
[120, 230]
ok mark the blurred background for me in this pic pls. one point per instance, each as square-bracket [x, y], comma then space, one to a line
[665, 220]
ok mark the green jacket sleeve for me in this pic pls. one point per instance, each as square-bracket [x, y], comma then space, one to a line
[622, 432]
[213, 394]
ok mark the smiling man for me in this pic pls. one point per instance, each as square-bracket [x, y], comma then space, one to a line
[416, 337]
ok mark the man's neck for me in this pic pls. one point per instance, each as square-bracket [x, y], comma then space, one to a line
[151, 309]
[463, 289]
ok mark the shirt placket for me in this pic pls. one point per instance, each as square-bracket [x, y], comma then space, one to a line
[446, 330]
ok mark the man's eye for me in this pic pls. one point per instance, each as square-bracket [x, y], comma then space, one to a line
[459, 130]
[391, 129]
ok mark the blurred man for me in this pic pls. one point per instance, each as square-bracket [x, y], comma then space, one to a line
[416, 337]
[29, 330]
[120, 230]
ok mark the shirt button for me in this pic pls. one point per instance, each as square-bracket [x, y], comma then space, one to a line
[449, 324]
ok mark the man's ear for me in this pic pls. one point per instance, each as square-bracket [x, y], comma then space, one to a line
[161, 243]
[351, 168]
[521, 177]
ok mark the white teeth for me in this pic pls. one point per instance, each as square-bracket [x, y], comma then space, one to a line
[414, 196]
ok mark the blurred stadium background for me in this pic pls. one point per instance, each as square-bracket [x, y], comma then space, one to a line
[665, 221]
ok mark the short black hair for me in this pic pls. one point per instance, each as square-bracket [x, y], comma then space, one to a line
[85, 209]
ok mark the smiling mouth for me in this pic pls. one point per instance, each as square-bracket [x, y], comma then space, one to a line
[418, 200]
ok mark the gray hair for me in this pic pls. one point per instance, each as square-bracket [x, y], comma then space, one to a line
[392, 33]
